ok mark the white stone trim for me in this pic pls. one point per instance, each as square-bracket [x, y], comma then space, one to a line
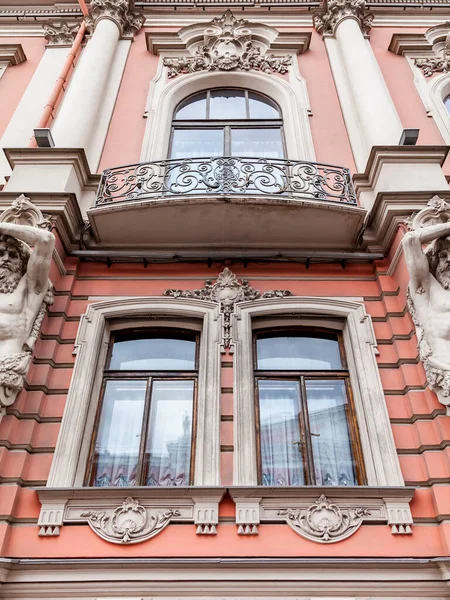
[380, 456]
[291, 96]
[71, 451]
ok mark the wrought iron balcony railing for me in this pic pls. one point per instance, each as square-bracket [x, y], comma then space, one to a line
[226, 176]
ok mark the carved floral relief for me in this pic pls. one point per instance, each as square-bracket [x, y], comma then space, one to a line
[228, 45]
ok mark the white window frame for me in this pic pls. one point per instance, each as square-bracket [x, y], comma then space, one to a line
[377, 441]
[72, 448]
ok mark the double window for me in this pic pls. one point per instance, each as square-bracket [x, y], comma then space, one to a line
[227, 122]
[307, 430]
[146, 423]
[145, 428]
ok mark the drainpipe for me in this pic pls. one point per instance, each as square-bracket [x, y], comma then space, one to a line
[63, 76]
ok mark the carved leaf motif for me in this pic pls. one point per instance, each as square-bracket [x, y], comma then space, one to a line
[324, 521]
[129, 523]
[338, 9]
[227, 46]
[227, 291]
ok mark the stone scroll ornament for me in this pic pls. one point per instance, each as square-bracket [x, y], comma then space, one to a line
[129, 523]
[228, 45]
[227, 291]
[436, 64]
[428, 296]
[324, 521]
[25, 291]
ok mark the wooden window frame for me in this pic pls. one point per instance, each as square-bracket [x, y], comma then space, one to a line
[301, 376]
[226, 125]
[149, 377]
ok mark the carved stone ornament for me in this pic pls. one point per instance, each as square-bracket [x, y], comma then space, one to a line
[337, 10]
[120, 11]
[324, 521]
[129, 523]
[439, 63]
[226, 291]
[60, 34]
[228, 45]
[429, 291]
[25, 291]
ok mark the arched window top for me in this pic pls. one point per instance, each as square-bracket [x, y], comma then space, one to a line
[227, 104]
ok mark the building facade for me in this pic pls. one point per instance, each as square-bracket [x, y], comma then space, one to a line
[224, 366]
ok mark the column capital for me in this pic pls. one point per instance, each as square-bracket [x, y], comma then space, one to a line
[60, 35]
[338, 10]
[120, 12]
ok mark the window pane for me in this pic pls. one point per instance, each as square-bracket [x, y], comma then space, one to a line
[333, 458]
[447, 103]
[281, 457]
[193, 108]
[262, 143]
[227, 104]
[261, 108]
[153, 354]
[119, 434]
[190, 143]
[168, 452]
[297, 353]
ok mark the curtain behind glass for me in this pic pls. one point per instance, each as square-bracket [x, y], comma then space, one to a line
[279, 406]
[119, 434]
[169, 440]
[332, 450]
[297, 353]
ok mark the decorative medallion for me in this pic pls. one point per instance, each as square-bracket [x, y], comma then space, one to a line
[439, 63]
[337, 10]
[130, 523]
[227, 291]
[324, 521]
[228, 46]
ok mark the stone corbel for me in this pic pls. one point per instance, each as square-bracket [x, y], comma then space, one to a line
[323, 514]
[131, 515]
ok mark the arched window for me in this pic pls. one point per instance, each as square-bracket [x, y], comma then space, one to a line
[306, 424]
[227, 122]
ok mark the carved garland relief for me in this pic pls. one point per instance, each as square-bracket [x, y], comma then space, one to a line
[228, 45]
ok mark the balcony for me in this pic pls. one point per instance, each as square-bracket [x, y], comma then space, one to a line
[227, 202]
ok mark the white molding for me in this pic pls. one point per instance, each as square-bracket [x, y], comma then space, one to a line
[291, 95]
[380, 456]
[77, 425]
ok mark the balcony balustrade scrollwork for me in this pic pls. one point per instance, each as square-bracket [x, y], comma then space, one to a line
[226, 176]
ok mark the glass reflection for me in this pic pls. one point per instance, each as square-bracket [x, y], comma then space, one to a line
[227, 104]
[116, 451]
[168, 451]
[193, 108]
[153, 354]
[297, 353]
[261, 108]
[332, 449]
[281, 457]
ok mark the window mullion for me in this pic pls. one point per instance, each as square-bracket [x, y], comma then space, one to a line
[306, 435]
[144, 433]
[227, 140]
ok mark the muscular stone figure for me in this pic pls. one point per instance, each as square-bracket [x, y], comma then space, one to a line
[25, 292]
[429, 302]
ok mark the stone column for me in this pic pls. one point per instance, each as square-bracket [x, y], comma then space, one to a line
[110, 21]
[368, 109]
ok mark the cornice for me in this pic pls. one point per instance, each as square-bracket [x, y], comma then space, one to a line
[13, 54]
[409, 42]
[56, 156]
[63, 210]
[401, 154]
[390, 210]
